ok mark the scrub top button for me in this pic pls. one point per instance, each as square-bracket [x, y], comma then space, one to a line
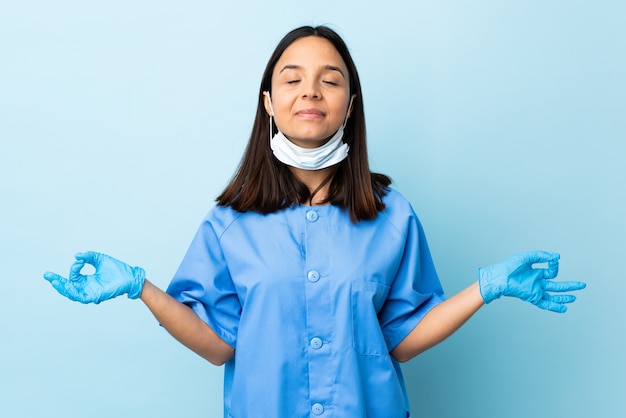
[313, 276]
[316, 343]
[312, 216]
[317, 409]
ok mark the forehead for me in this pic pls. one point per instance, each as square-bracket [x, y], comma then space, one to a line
[311, 52]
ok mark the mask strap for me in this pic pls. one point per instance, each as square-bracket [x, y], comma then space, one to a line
[345, 121]
[269, 100]
[271, 121]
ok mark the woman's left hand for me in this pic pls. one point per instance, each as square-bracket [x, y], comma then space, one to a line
[517, 277]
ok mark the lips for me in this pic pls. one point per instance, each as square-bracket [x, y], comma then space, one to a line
[310, 113]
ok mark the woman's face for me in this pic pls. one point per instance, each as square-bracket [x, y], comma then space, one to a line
[310, 92]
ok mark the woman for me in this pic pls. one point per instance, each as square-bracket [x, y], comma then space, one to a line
[311, 279]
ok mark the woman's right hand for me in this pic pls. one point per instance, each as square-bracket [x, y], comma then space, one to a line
[111, 279]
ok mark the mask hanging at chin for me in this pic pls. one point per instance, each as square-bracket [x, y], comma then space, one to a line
[332, 152]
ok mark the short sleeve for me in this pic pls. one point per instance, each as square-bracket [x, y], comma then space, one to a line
[416, 288]
[203, 282]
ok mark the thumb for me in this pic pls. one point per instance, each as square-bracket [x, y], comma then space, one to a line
[89, 257]
[75, 269]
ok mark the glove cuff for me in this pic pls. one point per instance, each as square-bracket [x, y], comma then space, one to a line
[489, 290]
[139, 277]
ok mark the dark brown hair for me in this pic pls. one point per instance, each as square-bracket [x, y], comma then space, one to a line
[264, 184]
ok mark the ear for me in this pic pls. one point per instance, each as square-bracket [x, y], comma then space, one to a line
[267, 101]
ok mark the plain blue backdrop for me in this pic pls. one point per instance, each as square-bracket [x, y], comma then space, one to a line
[503, 122]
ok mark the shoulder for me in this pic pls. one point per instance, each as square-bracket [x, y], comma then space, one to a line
[224, 220]
[395, 198]
[220, 218]
[398, 211]
[396, 204]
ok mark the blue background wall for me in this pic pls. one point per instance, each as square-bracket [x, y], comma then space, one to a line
[503, 123]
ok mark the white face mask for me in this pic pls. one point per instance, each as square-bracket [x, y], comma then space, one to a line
[332, 152]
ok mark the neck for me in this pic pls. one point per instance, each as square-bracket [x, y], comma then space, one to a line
[312, 179]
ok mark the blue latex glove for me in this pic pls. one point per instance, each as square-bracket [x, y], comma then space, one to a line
[111, 279]
[516, 277]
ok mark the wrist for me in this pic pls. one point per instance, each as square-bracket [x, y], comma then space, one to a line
[139, 278]
[489, 287]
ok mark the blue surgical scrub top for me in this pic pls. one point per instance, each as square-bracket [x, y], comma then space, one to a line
[312, 304]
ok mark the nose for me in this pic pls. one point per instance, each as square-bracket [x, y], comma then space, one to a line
[311, 90]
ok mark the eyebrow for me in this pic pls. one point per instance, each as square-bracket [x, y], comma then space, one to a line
[299, 67]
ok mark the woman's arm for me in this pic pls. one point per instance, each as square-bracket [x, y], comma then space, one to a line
[184, 325]
[439, 323]
[113, 278]
[516, 276]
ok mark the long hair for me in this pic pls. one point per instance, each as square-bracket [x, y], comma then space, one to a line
[265, 185]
